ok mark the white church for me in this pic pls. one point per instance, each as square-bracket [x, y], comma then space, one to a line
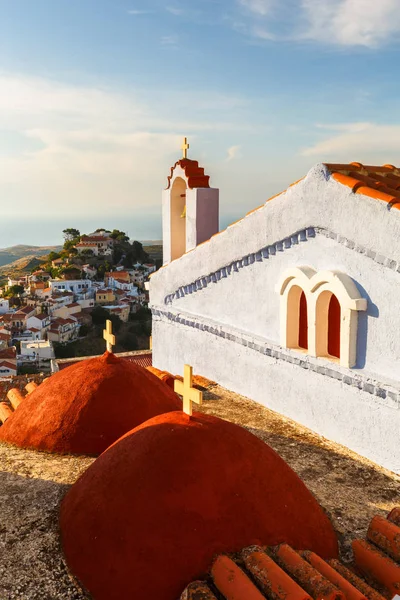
[293, 306]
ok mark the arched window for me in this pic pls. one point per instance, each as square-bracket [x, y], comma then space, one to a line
[297, 319]
[178, 218]
[303, 322]
[327, 325]
[334, 314]
[319, 313]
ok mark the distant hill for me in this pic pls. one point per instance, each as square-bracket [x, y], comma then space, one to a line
[21, 266]
[10, 255]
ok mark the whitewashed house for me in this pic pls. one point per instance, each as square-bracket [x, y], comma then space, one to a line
[294, 305]
[76, 286]
[39, 322]
[115, 282]
[63, 331]
[38, 354]
[4, 306]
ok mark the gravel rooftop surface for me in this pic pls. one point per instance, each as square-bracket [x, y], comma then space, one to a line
[350, 488]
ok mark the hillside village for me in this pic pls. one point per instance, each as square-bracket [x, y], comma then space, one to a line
[59, 309]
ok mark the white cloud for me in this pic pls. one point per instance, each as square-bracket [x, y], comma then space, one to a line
[352, 22]
[233, 152]
[91, 147]
[361, 142]
[369, 23]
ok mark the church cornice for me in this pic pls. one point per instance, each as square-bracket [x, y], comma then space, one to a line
[387, 393]
[270, 251]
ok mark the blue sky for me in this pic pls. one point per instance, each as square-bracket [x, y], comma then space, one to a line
[95, 96]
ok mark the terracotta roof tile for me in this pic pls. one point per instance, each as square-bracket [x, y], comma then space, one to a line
[143, 359]
[378, 182]
[8, 365]
[8, 353]
[282, 573]
[194, 174]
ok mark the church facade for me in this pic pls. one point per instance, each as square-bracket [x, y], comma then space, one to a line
[293, 306]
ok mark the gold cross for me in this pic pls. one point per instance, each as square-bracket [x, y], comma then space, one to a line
[108, 336]
[185, 148]
[187, 391]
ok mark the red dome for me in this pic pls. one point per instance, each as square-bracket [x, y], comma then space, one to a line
[86, 407]
[150, 514]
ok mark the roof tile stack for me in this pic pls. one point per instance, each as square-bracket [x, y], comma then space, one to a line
[282, 573]
[379, 182]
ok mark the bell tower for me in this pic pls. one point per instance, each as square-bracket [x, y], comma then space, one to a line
[190, 208]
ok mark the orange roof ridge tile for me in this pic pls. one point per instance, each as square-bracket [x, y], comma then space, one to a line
[378, 182]
[394, 516]
[374, 563]
[356, 581]
[273, 580]
[307, 576]
[386, 536]
[350, 592]
[232, 582]
[5, 412]
[282, 573]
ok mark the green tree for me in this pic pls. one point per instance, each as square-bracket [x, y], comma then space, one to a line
[143, 314]
[129, 342]
[138, 253]
[84, 330]
[15, 290]
[117, 254]
[53, 256]
[100, 315]
[70, 272]
[119, 236]
[71, 234]
[65, 350]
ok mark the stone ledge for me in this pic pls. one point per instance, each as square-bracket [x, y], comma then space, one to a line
[382, 391]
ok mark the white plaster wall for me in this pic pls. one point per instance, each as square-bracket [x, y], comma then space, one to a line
[166, 225]
[202, 215]
[248, 300]
[365, 422]
[361, 421]
[317, 201]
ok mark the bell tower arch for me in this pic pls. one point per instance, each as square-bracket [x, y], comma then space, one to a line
[190, 208]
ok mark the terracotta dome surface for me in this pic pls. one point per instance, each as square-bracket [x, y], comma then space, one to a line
[150, 514]
[88, 406]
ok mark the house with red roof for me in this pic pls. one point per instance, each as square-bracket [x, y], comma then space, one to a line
[293, 305]
[119, 280]
[97, 244]
[8, 362]
[40, 322]
[63, 331]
